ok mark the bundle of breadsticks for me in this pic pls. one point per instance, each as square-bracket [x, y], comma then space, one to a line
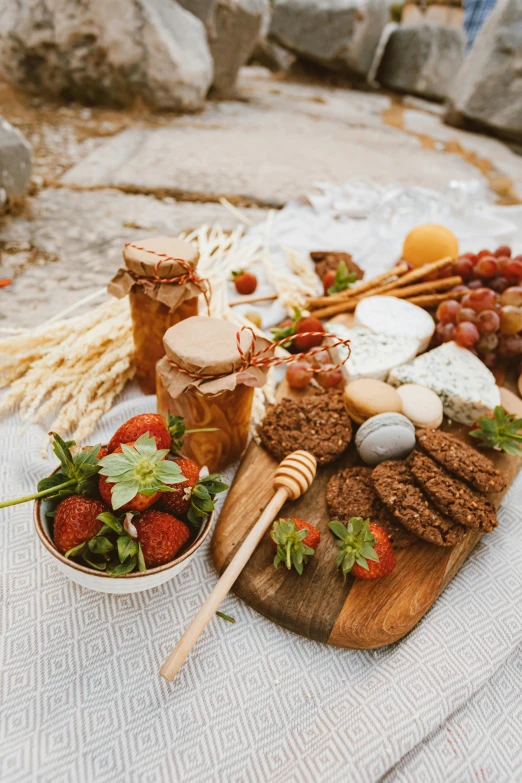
[401, 281]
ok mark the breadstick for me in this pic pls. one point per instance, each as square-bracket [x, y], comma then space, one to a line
[420, 288]
[399, 269]
[431, 300]
[417, 274]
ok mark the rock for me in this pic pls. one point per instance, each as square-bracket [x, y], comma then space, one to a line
[233, 28]
[15, 162]
[95, 51]
[338, 34]
[488, 89]
[422, 59]
[273, 56]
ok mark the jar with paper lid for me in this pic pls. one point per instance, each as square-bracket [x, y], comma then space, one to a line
[160, 278]
[208, 377]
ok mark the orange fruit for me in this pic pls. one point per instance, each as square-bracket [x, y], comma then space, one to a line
[428, 243]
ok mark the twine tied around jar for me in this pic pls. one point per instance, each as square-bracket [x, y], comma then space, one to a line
[189, 277]
[254, 358]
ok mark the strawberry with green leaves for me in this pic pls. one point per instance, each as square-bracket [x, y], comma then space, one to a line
[195, 495]
[77, 474]
[134, 475]
[499, 430]
[295, 541]
[338, 280]
[167, 434]
[306, 332]
[365, 550]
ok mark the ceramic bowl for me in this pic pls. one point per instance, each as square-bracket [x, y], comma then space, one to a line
[136, 582]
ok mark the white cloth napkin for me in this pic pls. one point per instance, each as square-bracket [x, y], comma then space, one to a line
[81, 699]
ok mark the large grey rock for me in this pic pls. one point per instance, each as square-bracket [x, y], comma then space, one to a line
[98, 51]
[233, 28]
[15, 162]
[272, 55]
[339, 34]
[422, 59]
[488, 88]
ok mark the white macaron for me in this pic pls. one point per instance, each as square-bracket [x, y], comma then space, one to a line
[421, 405]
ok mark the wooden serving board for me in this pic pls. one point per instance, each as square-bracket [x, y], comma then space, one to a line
[318, 604]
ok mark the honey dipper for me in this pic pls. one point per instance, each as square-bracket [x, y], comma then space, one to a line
[292, 478]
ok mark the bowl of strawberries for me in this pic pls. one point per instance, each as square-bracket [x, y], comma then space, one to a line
[128, 516]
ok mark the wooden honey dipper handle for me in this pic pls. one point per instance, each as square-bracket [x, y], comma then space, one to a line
[292, 478]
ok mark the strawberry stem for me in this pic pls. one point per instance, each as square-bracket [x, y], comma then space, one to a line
[36, 495]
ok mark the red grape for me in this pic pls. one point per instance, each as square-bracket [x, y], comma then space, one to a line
[487, 343]
[489, 359]
[510, 320]
[447, 333]
[448, 311]
[498, 284]
[482, 253]
[487, 267]
[329, 378]
[466, 314]
[512, 296]
[503, 250]
[466, 334]
[475, 284]
[446, 271]
[513, 271]
[503, 261]
[460, 288]
[510, 345]
[299, 375]
[481, 299]
[463, 267]
[488, 321]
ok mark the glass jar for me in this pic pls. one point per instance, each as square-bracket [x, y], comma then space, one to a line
[207, 378]
[159, 277]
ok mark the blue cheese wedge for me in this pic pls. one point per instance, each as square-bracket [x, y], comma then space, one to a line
[465, 385]
[372, 355]
[395, 317]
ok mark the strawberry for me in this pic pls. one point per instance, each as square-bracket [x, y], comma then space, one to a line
[161, 536]
[364, 548]
[328, 281]
[102, 451]
[295, 540]
[76, 521]
[134, 475]
[195, 495]
[245, 282]
[129, 432]
[340, 280]
[295, 327]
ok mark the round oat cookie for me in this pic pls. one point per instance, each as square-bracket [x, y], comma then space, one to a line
[350, 493]
[393, 482]
[461, 460]
[451, 496]
[318, 424]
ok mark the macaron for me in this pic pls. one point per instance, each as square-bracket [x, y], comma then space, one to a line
[421, 405]
[367, 397]
[385, 436]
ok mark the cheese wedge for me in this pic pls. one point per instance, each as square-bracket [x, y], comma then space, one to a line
[372, 355]
[395, 317]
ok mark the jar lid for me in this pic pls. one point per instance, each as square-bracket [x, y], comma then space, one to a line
[160, 257]
[207, 346]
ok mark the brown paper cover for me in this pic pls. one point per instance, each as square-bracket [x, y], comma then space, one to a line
[208, 347]
[141, 265]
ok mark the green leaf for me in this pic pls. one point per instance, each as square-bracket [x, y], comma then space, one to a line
[343, 279]
[51, 481]
[92, 564]
[127, 547]
[122, 568]
[76, 550]
[337, 528]
[62, 451]
[123, 493]
[141, 560]
[111, 521]
[225, 617]
[100, 545]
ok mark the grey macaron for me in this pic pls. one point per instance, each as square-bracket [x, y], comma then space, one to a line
[385, 436]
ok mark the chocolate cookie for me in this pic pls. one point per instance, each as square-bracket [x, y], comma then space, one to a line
[326, 261]
[350, 493]
[394, 483]
[461, 460]
[319, 424]
[451, 496]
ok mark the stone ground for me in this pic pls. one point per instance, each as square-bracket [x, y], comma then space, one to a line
[102, 177]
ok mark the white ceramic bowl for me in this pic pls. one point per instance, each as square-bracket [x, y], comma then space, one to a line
[136, 582]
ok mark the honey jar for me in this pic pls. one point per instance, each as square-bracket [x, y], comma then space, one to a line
[208, 376]
[159, 277]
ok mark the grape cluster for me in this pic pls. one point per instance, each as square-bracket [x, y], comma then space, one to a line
[488, 318]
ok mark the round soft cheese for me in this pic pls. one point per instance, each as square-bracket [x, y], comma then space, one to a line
[385, 436]
[367, 397]
[395, 317]
[421, 405]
